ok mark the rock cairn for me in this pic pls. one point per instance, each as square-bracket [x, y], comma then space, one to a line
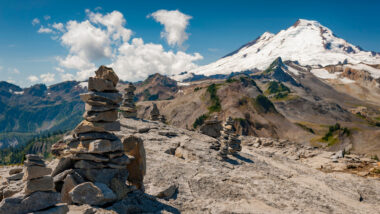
[155, 113]
[92, 169]
[230, 143]
[128, 107]
[38, 193]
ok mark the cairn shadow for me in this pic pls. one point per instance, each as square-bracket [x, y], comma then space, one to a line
[140, 202]
[247, 160]
[231, 161]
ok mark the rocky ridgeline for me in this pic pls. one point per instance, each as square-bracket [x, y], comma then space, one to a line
[230, 143]
[128, 107]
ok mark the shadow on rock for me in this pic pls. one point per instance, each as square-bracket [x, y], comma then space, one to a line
[243, 158]
[139, 202]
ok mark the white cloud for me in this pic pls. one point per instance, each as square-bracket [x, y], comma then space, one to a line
[44, 30]
[33, 78]
[175, 24]
[103, 38]
[47, 17]
[35, 21]
[59, 26]
[47, 78]
[136, 61]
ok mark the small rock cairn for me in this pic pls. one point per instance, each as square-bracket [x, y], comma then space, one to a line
[128, 107]
[38, 193]
[93, 168]
[155, 113]
[230, 143]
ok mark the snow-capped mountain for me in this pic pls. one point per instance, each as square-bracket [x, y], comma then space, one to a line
[307, 42]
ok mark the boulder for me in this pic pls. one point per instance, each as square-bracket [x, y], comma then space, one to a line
[44, 183]
[87, 126]
[101, 146]
[92, 194]
[104, 175]
[34, 202]
[108, 74]
[105, 116]
[134, 146]
[32, 172]
[98, 84]
[68, 184]
[61, 176]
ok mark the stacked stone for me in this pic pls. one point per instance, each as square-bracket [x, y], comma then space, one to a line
[155, 113]
[38, 192]
[92, 169]
[229, 140]
[128, 107]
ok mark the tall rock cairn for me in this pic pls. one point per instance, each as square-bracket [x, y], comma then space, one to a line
[38, 192]
[155, 113]
[128, 107]
[230, 144]
[92, 169]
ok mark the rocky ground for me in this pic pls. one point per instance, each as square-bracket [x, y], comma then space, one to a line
[268, 176]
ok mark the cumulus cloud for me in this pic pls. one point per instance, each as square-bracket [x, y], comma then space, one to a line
[47, 78]
[35, 21]
[104, 39]
[175, 24]
[58, 26]
[33, 78]
[44, 30]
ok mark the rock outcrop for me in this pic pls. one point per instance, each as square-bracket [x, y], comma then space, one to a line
[128, 107]
[212, 127]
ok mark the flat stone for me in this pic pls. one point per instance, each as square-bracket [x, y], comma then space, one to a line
[34, 163]
[100, 85]
[106, 116]
[15, 177]
[97, 135]
[112, 97]
[103, 146]
[87, 126]
[39, 184]
[68, 184]
[83, 164]
[99, 108]
[15, 171]
[90, 157]
[32, 172]
[33, 157]
[113, 155]
[92, 193]
[108, 74]
[34, 202]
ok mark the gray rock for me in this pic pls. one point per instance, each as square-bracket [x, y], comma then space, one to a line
[15, 177]
[112, 97]
[104, 146]
[34, 202]
[90, 157]
[32, 172]
[83, 164]
[68, 184]
[92, 194]
[57, 209]
[122, 160]
[98, 84]
[88, 107]
[101, 175]
[44, 183]
[15, 171]
[107, 116]
[97, 135]
[61, 176]
[61, 165]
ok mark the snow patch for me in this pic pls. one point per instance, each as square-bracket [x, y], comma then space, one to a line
[324, 74]
[19, 92]
[83, 84]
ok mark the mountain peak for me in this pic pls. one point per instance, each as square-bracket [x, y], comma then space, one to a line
[305, 22]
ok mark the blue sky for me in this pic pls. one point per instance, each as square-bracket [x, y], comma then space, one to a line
[214, 29]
